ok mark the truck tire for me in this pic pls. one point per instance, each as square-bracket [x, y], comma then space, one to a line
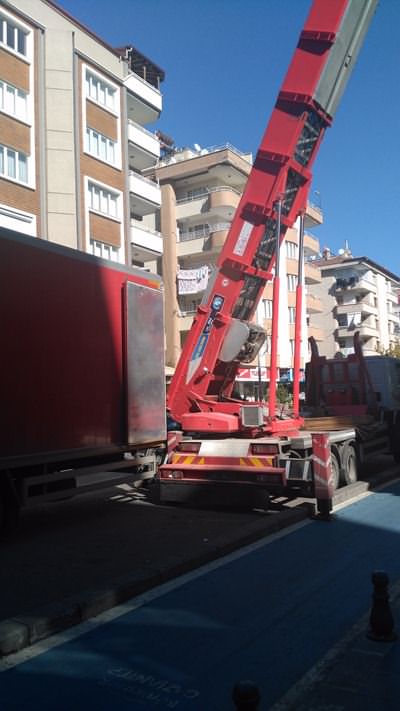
[349, 464]
[335, 470]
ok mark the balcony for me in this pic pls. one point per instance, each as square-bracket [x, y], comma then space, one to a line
[144, 101]
[313, 305]
[145, 195]
[392, 296]
[147, 244]
[364, 330]
[311, 245]
[355, 284]
[362, 307]
[317, 333]
[143, 147]
[313, 216]
[208, 238]
[221, 201]
[367, 332]
[312, 274]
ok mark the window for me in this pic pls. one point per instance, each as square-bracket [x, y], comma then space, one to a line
[291, 250]
[291, 282]
[267, 308]
[291, 343]
[105, 251]
[197, 192]
[292, 314]
[13, 101]
[100, 146]
[98, 90]
[13, 36]
[354, 319]
[13, 164]
[103, 200]
[267, 346]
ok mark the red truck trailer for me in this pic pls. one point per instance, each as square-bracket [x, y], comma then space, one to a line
[82, 373]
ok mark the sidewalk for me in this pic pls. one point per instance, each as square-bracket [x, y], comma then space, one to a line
[358, 674]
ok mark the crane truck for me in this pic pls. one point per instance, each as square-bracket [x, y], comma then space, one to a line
[228, 450]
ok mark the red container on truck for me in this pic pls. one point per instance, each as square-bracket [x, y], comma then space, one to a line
[82, 376]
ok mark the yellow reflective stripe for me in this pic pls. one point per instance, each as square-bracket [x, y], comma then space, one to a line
[256, 462]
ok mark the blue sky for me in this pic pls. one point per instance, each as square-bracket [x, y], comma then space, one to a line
[225, 61]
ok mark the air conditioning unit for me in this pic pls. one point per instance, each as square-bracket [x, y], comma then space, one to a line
[252, 416]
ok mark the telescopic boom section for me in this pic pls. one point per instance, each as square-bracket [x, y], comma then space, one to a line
[223, 335]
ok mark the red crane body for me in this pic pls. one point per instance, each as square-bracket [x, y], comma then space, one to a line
[223, 335]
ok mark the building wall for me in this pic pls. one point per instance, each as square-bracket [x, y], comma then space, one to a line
[19, 120]
[56, 203]
[358, 295]
[196, 215]
[325, 320]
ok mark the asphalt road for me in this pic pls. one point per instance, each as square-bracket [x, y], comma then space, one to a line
[270, 613]
[99, 540]
[71, 560]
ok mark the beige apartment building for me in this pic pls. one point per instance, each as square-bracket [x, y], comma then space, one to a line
[73, 142]
[357, 294]
[201, 189]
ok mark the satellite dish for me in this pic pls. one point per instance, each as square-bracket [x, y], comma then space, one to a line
[197, 147]
[341, 251]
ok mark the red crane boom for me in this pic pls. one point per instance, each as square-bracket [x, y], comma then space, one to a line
[223, 335]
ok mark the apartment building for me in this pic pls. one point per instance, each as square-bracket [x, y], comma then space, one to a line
[201, 189]
[73, 137]
[357, 294]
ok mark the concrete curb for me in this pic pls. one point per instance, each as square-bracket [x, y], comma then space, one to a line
[22, 631]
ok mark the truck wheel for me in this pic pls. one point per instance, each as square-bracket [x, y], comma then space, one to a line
[349, 464]
[335, 470]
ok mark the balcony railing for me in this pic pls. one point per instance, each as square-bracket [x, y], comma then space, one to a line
[203, 231]
[141, 88]
[362, 307]
[143, 187]
[189, 153]
[354, 282]
[206, 193]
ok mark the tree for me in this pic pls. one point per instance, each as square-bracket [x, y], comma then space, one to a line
[393, 351]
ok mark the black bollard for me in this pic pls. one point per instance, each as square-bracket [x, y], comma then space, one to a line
[246, 696]
[381, 624]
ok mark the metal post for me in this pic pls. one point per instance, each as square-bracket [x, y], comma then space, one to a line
[275, 317]
[298, 324]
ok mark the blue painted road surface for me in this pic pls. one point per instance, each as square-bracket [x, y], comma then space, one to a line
[268, 613]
